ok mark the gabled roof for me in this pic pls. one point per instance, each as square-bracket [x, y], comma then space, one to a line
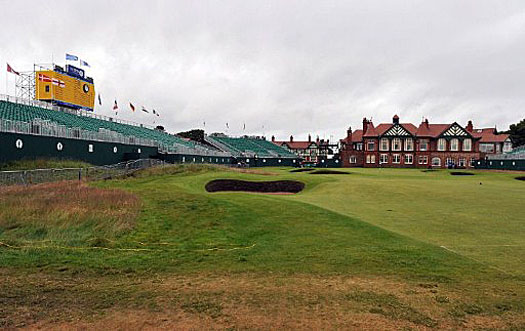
[357, 136]
[295, 144]
[383, 127]
[431, 130]
[489, 135]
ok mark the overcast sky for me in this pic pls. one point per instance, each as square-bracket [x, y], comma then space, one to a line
[284, 67]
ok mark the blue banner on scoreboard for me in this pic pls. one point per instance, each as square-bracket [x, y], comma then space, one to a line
[75, 72]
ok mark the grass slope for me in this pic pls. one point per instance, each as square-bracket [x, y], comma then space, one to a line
[370, 225]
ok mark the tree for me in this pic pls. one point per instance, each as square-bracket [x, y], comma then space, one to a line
[517, 133]
[195, 135]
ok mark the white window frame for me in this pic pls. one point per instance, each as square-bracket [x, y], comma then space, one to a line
[383, 144]
[454, 144]
[396, 158]
[383, 158]
[353, 159]
[409, 159]
[472, 162]
[423, 159]
[373, 159]
[438, 164]
[462, 162]
[442, 145]
[370, 143]
[409, 144]
[396, 142]
[368, 158]
[467, 145]
[426, 142]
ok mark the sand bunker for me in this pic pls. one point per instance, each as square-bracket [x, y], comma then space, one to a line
[302, 170]
[520, 178]
[461, 173]
[277, 186]
[328, 172]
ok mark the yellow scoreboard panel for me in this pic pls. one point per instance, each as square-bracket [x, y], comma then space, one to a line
[64, 89]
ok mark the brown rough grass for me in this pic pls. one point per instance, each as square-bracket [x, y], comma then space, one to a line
[67, 203]
[237, 301]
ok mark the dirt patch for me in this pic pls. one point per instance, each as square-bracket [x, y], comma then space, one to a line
[520, 178]
[329, 172]
[235, 185]
[302, 170]
[461, 173]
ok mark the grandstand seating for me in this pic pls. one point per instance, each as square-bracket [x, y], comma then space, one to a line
[27, 113]
[250, 146]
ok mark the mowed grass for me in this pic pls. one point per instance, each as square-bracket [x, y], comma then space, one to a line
[451, 247]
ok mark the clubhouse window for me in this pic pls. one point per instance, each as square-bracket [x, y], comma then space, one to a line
[423, 159]
[442, 144]
[450, 161]
[368, 159]
[358, 146]
[409, 144]
[472, 162]
[371, 146]
[396, 158]
[454, 145]
[409, 159]
[396, 144]
[353, 159]
[436, 162]
[372, 159]
[383, 158]
[467, 145]
[462, 162]
[423, 145]
[384, 144]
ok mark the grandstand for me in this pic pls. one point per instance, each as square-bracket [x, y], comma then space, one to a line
[32, 129]
[255, 151]
[512, 160]
[246, 146]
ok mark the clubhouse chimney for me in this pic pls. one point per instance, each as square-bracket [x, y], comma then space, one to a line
[365, 125]
[395, 119]
[273, 138]
[470, 126]
[309, 138]
[291, 139]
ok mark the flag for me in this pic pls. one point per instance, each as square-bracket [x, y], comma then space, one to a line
[227, 125]
[55, 81]
[244, 127]
[44, 78]
[99, 100]
[154, 112]
[11, 70]
[84, 63]
[132, 107]
[61, 83]
[115, 106]
[71, 57]
[145, 110]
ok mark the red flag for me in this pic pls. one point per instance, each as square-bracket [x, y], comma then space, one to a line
[115, 107]
[44, 78]
[131, 106]
[11, 70]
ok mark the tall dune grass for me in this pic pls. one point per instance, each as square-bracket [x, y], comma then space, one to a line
[67, 211]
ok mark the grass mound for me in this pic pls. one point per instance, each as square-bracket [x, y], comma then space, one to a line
[42, 164]
[277, 186]
[329, 172]
[461, 173]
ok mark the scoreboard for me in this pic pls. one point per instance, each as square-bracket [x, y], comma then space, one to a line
[68, 88]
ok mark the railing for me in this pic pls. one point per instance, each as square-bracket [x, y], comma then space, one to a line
[79, 112]
[52, 129]
[28, 177]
